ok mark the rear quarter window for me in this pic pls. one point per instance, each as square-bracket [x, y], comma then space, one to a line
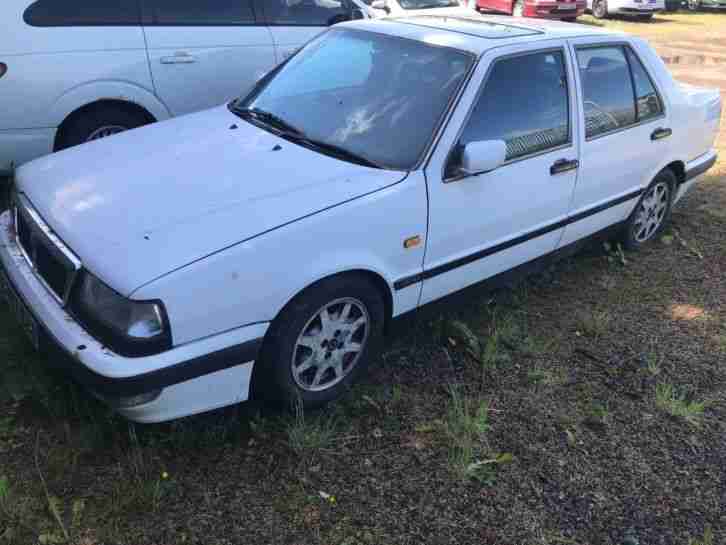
[55, 13]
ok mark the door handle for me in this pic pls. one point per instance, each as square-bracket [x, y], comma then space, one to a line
[564, 165]
[660, 132]
[179, 58]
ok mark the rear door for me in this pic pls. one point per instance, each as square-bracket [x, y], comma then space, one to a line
[625, 139]
[203, 53]
[295, 22]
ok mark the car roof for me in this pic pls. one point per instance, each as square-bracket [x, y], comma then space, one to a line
[476, 33]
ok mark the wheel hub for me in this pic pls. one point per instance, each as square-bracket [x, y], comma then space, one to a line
[330, 344]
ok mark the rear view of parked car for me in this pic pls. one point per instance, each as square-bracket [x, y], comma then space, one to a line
[565, 10]
[641, 9]
[79, 70]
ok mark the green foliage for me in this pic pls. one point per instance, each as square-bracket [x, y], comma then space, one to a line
[465, 426]
[307, 434]
[677, 404]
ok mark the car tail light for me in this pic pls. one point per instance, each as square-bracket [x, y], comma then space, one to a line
[3, 69]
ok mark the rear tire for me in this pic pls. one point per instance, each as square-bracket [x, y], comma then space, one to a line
[652, 212]
[600, 9]
[99, 122]
[694, 5]
[309, 352]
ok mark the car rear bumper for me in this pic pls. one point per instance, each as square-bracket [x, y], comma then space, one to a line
[188, 379]
[22, 145]
[695, 170]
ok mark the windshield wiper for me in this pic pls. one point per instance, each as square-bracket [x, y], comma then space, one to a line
[337, 151]
[268, 118]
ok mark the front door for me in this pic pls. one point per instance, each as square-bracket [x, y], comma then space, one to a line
[293, 23]
[203, 54]
[482, 225]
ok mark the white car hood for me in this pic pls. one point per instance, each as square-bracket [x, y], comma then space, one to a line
[141, 204]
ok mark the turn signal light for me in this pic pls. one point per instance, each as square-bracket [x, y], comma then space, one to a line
[3, 69]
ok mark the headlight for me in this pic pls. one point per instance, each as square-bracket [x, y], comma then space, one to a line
[131, 328]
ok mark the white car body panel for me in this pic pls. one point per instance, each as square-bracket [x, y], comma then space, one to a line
[226, 223]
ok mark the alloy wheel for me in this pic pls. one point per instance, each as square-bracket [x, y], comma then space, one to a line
[330, 345]
[651, 211]
[103, 132]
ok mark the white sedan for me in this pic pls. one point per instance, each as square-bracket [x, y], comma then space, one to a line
[271, 241]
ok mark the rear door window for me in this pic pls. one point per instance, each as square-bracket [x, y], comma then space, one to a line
[53, 13]
[648, 102]
[199, 12]
[607, 89]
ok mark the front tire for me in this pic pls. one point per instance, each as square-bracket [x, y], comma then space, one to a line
[518, 8]
[652, 212]
[694, 5]
[600, 9]
[322, 342]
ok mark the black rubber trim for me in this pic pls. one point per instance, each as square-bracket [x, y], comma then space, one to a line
[60, 359]
[163, 378]
[466, 260]
[700, 169]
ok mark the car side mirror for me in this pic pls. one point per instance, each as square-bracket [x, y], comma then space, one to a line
[483, 156]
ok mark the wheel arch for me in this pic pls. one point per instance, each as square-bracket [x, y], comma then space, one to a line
[76, 100]
[679, 169]
[102, 103]
[375, 277]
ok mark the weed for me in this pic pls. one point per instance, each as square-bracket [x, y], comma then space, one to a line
[593, 324]
[465, 426]
[306, 434]
[707, 538]
[668, 399]
[546, 377]
[652, 364]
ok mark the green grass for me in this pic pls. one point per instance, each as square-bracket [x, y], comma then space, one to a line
[309, 433]
[669, 400]
[465, 426]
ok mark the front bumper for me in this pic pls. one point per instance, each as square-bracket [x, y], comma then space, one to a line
[22, 145]
[192, 378]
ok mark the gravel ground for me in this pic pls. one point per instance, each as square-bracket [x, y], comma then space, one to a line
[585, 406]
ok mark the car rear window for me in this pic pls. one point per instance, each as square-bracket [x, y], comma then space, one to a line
[51, 13]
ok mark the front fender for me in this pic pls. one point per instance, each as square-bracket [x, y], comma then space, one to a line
[252, 281]
[91, 92]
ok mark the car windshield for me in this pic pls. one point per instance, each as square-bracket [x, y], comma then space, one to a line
[426, 4]
[364, 95]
